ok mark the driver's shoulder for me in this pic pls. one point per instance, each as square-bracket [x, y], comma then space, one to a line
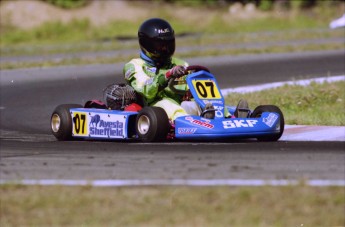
[135, 61]
[134, 65]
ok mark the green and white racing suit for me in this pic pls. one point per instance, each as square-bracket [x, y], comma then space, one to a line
[151, 84]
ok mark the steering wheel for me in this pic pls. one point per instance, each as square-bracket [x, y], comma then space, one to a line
[189, 69]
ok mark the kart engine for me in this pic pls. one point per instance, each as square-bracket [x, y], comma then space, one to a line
[118, 96]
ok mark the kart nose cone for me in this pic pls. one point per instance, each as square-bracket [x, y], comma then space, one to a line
[143, 124]
[55, 123]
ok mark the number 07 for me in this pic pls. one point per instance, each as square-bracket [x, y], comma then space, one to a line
[207, 89]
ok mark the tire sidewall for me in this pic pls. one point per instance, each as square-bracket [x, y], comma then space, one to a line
[270, 108]
[65, 130]
[158, 126]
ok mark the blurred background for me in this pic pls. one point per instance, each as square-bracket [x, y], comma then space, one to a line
[45, 27]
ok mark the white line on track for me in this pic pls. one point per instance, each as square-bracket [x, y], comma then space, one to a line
[313, 133]
[177, 182]
[261, 87]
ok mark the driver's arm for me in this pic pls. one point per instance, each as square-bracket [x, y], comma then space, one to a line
[143, 81]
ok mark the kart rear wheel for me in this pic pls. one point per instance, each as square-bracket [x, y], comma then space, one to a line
[270, 108]
[152, 124]
[61, 121]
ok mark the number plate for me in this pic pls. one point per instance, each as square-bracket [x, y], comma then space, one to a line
[206, 89]
[80, 124]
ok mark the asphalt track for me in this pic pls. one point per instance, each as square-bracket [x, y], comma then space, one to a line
[29, 151]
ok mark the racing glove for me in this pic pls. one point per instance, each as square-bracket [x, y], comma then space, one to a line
[175, 72]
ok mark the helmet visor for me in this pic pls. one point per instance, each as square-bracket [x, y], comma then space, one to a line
[159, 48]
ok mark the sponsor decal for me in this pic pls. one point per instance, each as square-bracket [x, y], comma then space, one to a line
[270, 119]
[95, 120]
[219, 111]
[128, 73]
[149, 81]
[186, 130]
[219, 102]
[151, 69]
[164, 30]
[100, 127]
[205, 124]
[239, 123]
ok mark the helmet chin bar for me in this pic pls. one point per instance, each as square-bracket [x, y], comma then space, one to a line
[156, 60]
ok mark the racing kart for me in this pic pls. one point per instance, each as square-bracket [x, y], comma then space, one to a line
[151, 124]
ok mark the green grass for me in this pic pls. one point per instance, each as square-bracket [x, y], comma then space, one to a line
[317, 104]
[171, 206]
[217, 28]
[215, 52]
[216, 21]
[112, 43]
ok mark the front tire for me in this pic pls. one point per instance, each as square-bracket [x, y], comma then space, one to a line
[61, 121]
[152, 124]
[270, 108]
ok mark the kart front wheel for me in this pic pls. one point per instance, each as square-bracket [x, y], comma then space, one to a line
[270, 108]
[152, 124]
[61, 121]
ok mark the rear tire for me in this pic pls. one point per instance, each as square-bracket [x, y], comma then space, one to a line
[61, 121]
[270, 108]
[152, 124]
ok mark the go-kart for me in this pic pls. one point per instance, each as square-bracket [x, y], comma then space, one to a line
[150, 124]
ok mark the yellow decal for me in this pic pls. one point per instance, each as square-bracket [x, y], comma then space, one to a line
[206, 89]
[80, 126]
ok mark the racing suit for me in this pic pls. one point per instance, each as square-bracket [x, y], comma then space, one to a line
[150, 82]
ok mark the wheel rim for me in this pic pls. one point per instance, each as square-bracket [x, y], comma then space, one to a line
[143, 124]
[55, 122]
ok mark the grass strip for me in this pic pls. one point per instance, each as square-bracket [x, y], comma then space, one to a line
[190, 54]
[316, 104]
[197, 39]
[171, 206]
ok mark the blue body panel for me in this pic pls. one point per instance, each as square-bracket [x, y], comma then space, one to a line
[194, 127]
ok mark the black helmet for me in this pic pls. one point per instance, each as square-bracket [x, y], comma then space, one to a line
[157, 40]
